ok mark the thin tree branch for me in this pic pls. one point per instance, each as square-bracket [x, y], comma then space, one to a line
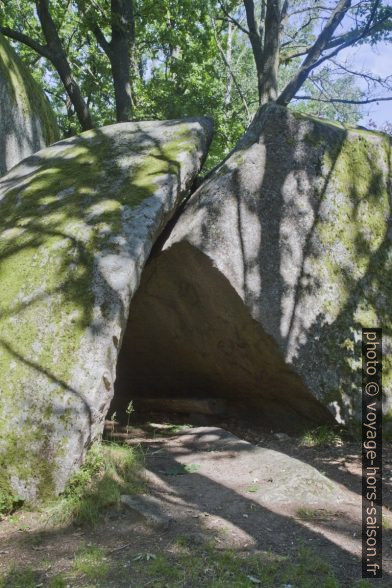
[314, 52]
[309, 8]
[347, 39]
[284, 11]
[343, 100]
[298, 31]
[232, 19]
[101, 39]
[233, 77]
[365, 75]
[95, 28]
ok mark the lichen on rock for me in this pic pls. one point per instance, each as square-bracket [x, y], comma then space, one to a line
[292, 231]
[77, 222]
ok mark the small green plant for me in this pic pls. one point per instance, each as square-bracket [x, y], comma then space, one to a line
[129, 411]
[144, 556]
[253, 488]
[113, 423]
[192, 468]
[321, 437]
[306, 514]
[314, 514]
[109, 470]
[90, 562]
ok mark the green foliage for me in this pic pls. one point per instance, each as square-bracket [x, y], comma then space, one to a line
[329, 84]
[109, 471]
[188, 60]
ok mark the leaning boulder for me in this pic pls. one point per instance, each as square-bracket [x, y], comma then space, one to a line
[77, 223]
[27, 122]
[262, 287]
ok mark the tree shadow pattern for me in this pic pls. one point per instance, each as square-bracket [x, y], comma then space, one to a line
[266, 529]
[74, 240]
[297, 218]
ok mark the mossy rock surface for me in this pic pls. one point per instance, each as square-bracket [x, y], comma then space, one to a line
[27, 122]
[77, 222]
[290, 241]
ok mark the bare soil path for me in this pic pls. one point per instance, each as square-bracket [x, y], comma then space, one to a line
[274, 502]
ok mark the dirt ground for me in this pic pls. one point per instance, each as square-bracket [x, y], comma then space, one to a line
[214, 501]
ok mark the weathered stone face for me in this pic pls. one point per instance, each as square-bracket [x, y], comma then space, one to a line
[27, 123]
[273, 267]
[77, 222]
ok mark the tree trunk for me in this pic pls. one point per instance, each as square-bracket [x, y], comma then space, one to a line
[59, 59]
[121, 54]
[256, 42]
[121, 81]
[73, 91]
[268, 88]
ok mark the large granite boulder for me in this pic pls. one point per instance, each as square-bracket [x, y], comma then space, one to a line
[77, 223]
[27, 122]
[262, 287]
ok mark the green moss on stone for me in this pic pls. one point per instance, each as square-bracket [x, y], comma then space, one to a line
[351, 254]
[25, 91]
[51, 228]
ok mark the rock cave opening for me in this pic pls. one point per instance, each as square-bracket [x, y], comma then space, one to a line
[192, 350]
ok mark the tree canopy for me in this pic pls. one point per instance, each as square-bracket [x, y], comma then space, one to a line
[101, 61]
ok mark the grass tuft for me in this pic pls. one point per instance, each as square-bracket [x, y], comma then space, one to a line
[322, 437]
[90, 562]
[314, 514]
[216, 568]
[110, 470]
[18, 577]
[58, 582]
